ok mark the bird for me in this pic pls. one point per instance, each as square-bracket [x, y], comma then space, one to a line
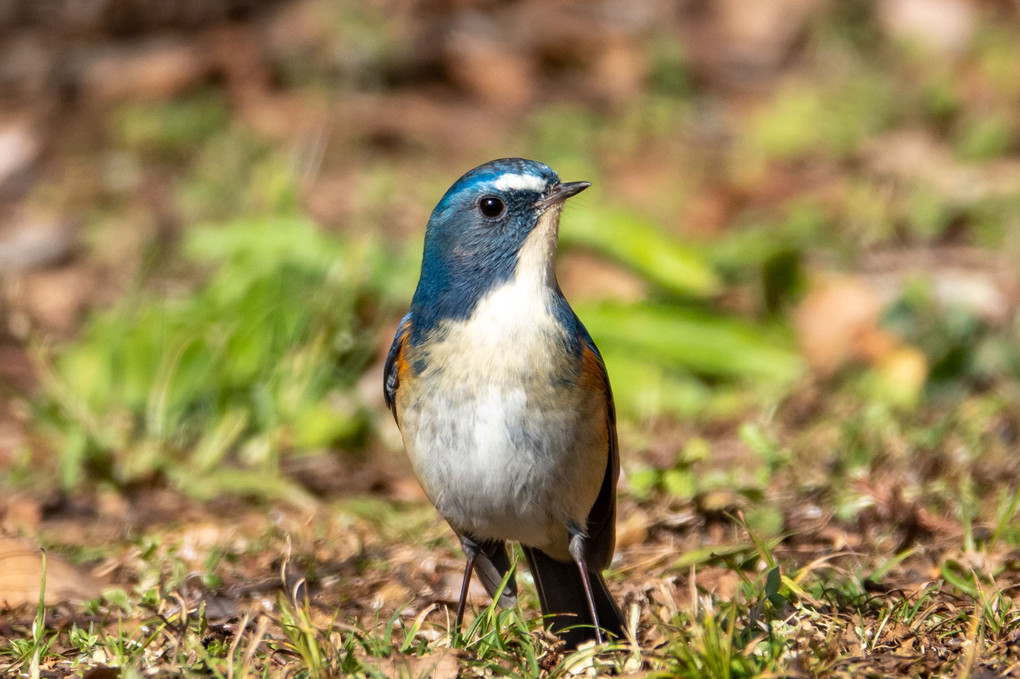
[503, 401]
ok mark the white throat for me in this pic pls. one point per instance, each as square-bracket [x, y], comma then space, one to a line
[519, 311]
[536, 261]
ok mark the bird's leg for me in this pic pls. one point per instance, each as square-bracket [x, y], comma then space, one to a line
[578, 543]
[470, 548]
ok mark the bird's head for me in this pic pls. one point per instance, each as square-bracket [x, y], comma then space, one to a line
[498, 222]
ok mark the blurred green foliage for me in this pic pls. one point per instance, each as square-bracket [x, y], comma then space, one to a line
[682, 342]
[831, 120]
[171, 128]
[642, 247]
[212, 386]
[966, 352]
[677, 353]
[211, 383]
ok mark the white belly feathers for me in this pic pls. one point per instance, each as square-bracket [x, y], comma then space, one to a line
[491, 424]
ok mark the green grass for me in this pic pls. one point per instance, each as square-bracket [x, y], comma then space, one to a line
[28, 653]
[221, 381]
[796, 604]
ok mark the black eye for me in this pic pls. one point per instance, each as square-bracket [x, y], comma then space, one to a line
[491, 206]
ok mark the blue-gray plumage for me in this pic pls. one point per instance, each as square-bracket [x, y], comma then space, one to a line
[503, 400]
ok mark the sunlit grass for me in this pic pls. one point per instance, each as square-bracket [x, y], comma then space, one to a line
[253, 363]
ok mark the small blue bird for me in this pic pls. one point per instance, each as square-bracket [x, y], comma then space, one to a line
[503, 400]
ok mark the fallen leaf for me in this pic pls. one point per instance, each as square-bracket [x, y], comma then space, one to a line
[160, 68]
[942, 26]
[21, 513]
[832, 319]
[443, 664]
[19, 151]
[21, 575]
[31, 242]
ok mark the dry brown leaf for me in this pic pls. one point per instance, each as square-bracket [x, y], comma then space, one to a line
[834, 319]
[392, 595]
[19, 151]
[448, 589]
[917, 157]
[21, 575]
[740, 41]
[720, 581]
[632, 529]
[442, 664]
[620, 69]
[156, 69]
[53, 299]
[497, 74]
[32, 241]
[20, 513]
[943, 26]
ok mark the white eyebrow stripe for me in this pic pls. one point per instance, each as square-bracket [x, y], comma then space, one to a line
[520, 182]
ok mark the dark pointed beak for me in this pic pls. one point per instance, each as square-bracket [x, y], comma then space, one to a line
[561, 192]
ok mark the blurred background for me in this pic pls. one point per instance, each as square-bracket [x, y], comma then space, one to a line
[799, 256]
[212, 211]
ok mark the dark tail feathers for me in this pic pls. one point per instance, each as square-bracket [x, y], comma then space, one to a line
[561, 593]
[491, 566]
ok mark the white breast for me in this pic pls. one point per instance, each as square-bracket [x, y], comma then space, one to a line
[490, 425]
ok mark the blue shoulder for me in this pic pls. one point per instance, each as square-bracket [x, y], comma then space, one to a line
[578, 337]
[590, 343]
